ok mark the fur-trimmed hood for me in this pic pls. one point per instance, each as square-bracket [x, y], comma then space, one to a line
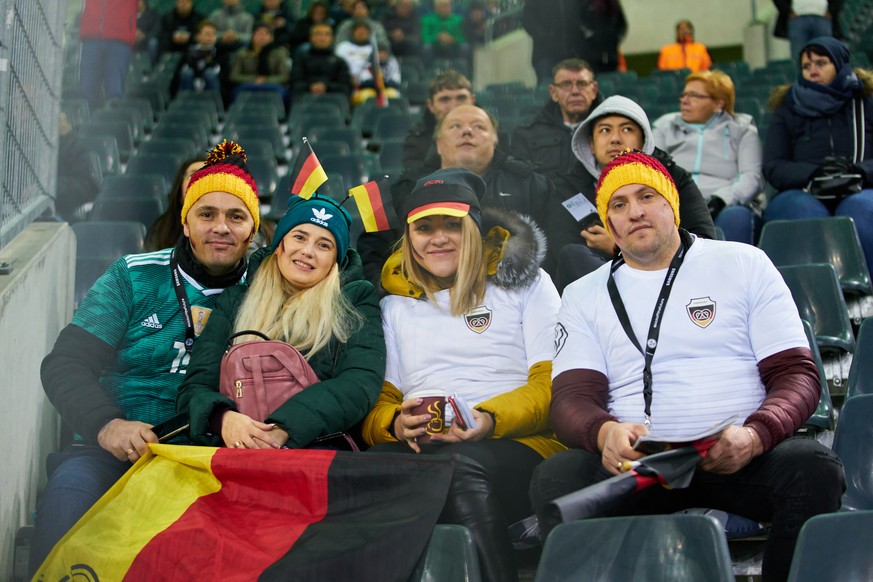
[514, 249]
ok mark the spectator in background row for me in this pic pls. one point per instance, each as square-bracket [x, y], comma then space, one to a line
[234, 25]
[802, 20]
[318, 70]
[148, 31]
[360, 13]
[720, 148]
[561, 29]
[317, 14]
[166, 230]
[202, 67]
[442, 34]
[446, 91]
[108, 31]
[357, 50]
[262, 66]
[342, 10]
[545, 140]
[179, 26]
[403, 26]
[390, 68]
[78, 180]
[814, 128]
[475, 23]
[685, 53]
[277, 15]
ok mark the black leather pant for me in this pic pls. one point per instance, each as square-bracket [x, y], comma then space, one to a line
[489, 491]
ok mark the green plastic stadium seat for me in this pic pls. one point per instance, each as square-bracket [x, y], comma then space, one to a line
[834, 547]
[852, 442]
[449, 556]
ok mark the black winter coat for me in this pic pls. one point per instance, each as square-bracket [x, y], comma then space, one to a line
[796, 146]
[544, 141]
[320, 66]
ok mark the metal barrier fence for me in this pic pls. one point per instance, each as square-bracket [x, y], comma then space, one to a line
[31, 62]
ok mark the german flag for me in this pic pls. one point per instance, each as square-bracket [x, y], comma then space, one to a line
[202, 513]
[308, 172]
[375, 206]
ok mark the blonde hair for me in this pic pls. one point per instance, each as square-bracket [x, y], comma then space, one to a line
[719, 85]
[307, 319]
[467, 288]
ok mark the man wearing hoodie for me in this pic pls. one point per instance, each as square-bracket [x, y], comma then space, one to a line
[614, 126]
[545, 140]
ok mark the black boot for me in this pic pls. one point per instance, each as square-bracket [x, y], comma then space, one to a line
[472, 503]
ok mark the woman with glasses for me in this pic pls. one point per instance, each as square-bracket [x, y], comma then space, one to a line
[720, 148]
[822, 126]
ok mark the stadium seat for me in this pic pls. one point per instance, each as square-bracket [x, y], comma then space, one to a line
[194, 131]
[852, 441]
[450, 555]
[77, 109]
[327, 147]
[98, 245]
[144, 210]
[831, 240]
[261, 115]
[312, 124]
[392, 127]
[819, 300]
[130, 115]
[674, 547]
[207, 101]
[143, 105]
[350, 135]
[120, 130]
[861, 372]
[158, 96]
[391, 153]
[133, 186]
[106, 148]
[242, 133]
[246, 99]
[264, 171]
[259, 148]
[823, 418]
[181, 147]
[338, 100]
[353, 168]
[165, 165]
[201, 117]
[366, 116]
[834, 547]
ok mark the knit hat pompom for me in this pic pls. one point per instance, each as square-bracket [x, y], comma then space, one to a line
[225, 171]
[635, 167]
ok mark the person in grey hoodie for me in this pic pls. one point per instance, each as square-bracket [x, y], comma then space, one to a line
[613, 126]
[720, 148]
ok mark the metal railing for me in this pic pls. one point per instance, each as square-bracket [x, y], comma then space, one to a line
[31, 61]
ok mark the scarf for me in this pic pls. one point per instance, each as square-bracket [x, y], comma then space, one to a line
[189, 263]
[815, 100]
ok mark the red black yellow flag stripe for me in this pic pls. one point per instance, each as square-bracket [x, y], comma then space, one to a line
[201, 513]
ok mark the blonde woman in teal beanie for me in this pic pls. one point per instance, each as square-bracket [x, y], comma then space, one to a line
[306, 289]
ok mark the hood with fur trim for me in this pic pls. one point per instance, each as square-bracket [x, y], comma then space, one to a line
[615, 105]
[514, 248]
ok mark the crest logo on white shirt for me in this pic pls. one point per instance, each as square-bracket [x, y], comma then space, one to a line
[701, 311]
[478, 319]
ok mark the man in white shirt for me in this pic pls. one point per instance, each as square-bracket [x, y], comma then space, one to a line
[803, 20]
[725, 341]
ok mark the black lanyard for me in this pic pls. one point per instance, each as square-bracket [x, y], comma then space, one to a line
[179, 288]
[655, 325]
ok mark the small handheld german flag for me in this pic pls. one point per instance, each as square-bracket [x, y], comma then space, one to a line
[374, 205]
[308, 172]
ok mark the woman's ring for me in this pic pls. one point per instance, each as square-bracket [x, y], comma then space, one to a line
[238, 444]
[620, 465]
[129, 452]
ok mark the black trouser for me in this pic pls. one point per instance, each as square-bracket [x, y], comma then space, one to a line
[489, 491]
[797, 479]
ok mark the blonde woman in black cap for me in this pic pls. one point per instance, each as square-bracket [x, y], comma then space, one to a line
[469, 313]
